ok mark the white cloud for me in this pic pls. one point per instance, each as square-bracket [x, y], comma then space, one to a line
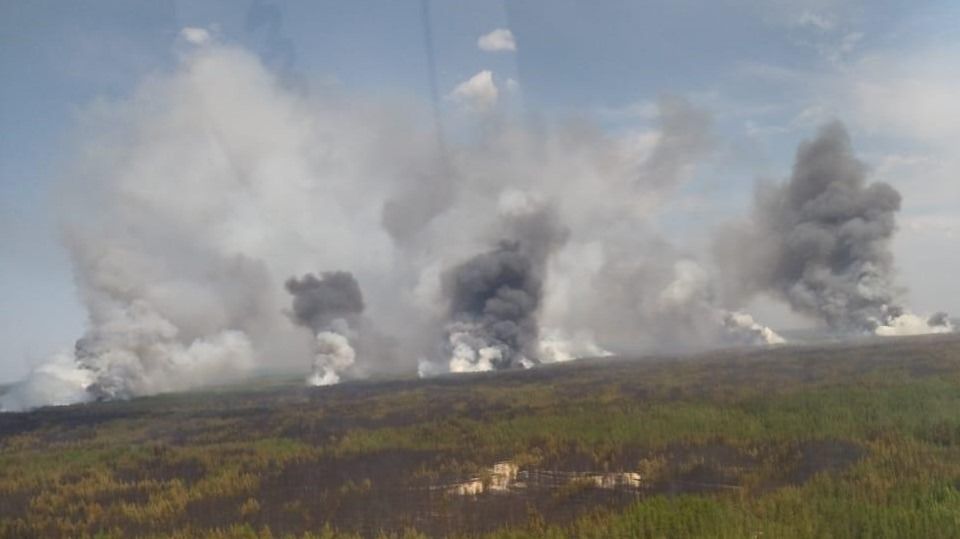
[907, 95]
[478, 93]
[817, 15]
[915, 96]
[196, 36]
[832, 28]
[821, 21]
[499, 40]
[643, 111]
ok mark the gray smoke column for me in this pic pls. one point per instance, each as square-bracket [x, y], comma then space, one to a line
[190, 200]
[821, 242]
[685, 136]
[495, 297]
[330, 306]
[659, 299]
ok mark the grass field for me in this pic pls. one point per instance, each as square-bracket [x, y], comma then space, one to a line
[832, 441]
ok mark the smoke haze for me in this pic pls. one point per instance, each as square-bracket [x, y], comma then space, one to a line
[318, 302]
[330, 306]
[193, 201]
[821, 242]
[495, 296]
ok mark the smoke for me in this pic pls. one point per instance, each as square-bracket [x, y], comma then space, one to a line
[659, 299]
[180, 210]
[685, 136]
[330, 306]
[618, 282]
[55, 383]
[265, 20]
[556, 347]
[318, 303]
[140, 353]
[189, 203]
[494, 297]
[151, 331]
[821, 242]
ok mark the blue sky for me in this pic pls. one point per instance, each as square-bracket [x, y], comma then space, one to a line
[768, 72]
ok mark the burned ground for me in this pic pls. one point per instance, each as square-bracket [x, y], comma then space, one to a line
[843, 440]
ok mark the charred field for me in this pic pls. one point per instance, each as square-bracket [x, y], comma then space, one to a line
[855, 440]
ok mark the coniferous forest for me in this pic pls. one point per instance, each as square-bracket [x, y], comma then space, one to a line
[826, 441]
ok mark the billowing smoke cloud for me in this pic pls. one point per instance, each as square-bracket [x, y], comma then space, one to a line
[330, 306]
[495, 297]
[216, 180]
[821, 242]
[658, 299]
[630, 287]
[319, 302]
[192, 200]
[156, 326]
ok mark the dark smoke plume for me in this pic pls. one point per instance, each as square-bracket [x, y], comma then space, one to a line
[494, 297]
[821, 241]
[318, 302]
[330, 306]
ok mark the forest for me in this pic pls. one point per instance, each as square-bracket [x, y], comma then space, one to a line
[843, 440]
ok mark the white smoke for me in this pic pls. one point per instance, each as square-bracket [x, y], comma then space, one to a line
[55, 383]
[334, 355]
[331, 307]
[189, 203]
[910, 324]
[741, 328]
[470, 353]
[556, 347]
[689, 293]
[820, 241]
